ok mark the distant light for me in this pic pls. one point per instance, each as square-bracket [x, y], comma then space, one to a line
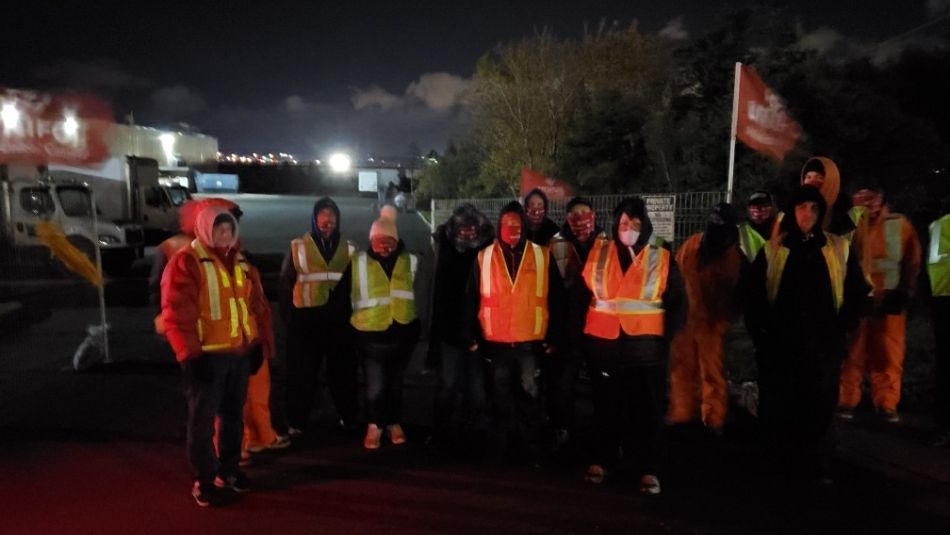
[71, 125]
[340, 163]
[10, 116]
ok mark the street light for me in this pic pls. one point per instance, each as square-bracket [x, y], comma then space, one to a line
[10, 116]
[340, 163]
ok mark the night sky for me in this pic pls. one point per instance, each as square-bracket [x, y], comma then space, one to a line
[372, 77]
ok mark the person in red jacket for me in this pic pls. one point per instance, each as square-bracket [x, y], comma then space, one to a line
[215, 319]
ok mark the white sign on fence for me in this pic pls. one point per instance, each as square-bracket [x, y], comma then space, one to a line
[661, 209]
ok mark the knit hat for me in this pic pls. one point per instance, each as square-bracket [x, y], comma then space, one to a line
[384, 226]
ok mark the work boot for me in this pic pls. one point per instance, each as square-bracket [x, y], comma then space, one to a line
[237, 482]
[396, 434]
[649, 484]
[845, 413]
[373, 436]
[891, 416]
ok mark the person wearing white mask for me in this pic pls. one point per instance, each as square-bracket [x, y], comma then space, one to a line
[638, 304]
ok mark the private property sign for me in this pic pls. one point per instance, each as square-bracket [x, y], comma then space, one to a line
[43, 128]
[661, 209]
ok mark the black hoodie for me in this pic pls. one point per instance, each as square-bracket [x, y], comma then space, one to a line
[803, 321]
[547, 229]
[471, 329]
[443, 274]
[644, 350]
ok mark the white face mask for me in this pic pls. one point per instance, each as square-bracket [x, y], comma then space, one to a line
[629, 237]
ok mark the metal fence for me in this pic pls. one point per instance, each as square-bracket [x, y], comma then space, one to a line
[690, 209]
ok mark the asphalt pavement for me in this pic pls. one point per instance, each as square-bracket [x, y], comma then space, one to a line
[102, 451]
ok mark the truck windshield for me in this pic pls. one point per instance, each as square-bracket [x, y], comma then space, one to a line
[76, 201]
[178, 195]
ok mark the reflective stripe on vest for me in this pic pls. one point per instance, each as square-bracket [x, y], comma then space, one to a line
[938, 258]
[379, 300]
[240, 325]
[316, 277]
[491, 312]
[750, 241]
[835, 251]
[890, 265]
[631, 300]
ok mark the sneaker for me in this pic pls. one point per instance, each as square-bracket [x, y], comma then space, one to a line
[373, 436]
[891, 417]
[649, 484]
[238, 483]
[279, 443]
[845, 413]
[595, 474]
[294, 431]
[396, 434]
[204, 496]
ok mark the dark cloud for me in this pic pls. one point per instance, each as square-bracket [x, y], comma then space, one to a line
[177, 102]
[90, 75]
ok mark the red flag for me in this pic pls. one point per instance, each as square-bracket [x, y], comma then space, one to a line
[42, 128]
[761, 121]
[555, 189]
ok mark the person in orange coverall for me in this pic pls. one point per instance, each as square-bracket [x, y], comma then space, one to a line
[889, 248]
[710, 262]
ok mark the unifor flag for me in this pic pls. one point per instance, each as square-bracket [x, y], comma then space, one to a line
[553, 188]
[47, 128]
[762, 122]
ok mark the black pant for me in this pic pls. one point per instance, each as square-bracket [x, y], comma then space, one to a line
[215, 385]
[313, 338]
[559, 376]
[941, 326]
[384, 365]
[462, 399]
[515, 393]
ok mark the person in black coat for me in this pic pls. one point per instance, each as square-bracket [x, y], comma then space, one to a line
[806, 293]
[460, 405]
[309, 322]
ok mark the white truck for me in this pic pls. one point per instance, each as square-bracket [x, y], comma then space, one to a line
[129, 189]
[29, 195]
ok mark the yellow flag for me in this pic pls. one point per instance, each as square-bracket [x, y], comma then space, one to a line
[67, 253]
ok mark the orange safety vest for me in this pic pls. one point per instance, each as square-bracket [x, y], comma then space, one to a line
[224, 321]
[632, 300]
[174, 244]
[513, 311]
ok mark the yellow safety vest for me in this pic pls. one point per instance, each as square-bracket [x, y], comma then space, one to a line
[316, 278]
[938, 259]
[750, 241]
[379, 300]
[224, 321]
[835, 251]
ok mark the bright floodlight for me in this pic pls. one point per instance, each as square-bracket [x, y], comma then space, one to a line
[71, 125]
[10, 115]
[340, 163]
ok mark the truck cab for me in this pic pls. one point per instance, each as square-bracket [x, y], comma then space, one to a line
[30, 197]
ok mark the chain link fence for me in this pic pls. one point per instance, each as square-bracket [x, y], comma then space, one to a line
[690, 209]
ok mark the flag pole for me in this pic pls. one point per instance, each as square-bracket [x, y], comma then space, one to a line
[732, 136]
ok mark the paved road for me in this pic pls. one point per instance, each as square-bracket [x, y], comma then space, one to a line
[271, 221]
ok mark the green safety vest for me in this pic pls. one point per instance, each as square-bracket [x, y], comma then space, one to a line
[938, 260]
[835, 252]
[379, 300]
[750, 241]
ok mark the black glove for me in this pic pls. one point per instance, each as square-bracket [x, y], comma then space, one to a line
[257, 359]
[199, 368]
